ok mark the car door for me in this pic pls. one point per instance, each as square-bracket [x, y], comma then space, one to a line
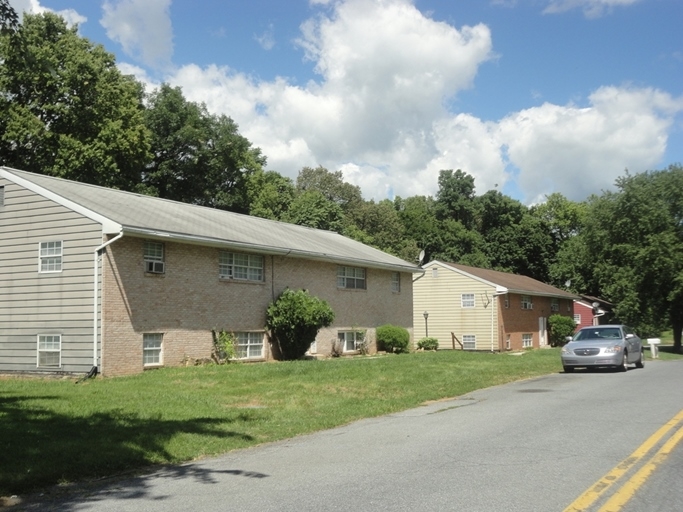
[632, 344]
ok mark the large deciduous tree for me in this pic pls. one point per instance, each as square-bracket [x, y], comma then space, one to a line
[65, 108]
[634, 238]
[198, 157]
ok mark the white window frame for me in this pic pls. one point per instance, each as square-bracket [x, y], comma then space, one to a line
[350, 340]
[249, 344]
[527, 340]
[154, 256]
[396, 282]
[152, 349]
[351, 278]
[469, 341]
[467, 300]
[50, 256]
[554, 304]
[527, 302]
[49, 344]
[577, 318]
[241, 266]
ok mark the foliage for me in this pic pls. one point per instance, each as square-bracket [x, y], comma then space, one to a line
[199, 157]
[331, 185]
[634, 239]
[314, 210]
[393, 338]
[9, 20]
[560, 327]
[224, 346]
[428, 343]
[270, 194]
[294, 320]
[65, 108]
[454, 200]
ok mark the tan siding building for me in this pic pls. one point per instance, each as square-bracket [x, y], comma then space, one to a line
[94, 277]
[479, 309]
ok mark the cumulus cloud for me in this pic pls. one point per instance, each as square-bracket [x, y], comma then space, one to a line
[71, 16]
[142, 28]
[378, 111]
[578, 151]
[591, 8]
[385, 72]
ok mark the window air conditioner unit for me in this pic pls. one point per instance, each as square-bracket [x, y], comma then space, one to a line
[154, 267]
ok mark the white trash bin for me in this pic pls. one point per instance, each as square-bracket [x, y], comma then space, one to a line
[653, 342]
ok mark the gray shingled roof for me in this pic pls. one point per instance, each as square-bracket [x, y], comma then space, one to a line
[142, 215]
[512, 282]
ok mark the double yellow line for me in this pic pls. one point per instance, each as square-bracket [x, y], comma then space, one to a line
[626, 492]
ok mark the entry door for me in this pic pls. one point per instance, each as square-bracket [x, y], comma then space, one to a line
[542, 331]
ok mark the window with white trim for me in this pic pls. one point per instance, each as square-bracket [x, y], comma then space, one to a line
[352, 278]
[152, 344]
[50, 256]
[249, 345]
[527, 340]
[554, 304]
[526, 302]
[467, 300]
[154, 257]
[351, 340]
[469, 341]
[395, 282]
[49, 350]
[240, 266]
[577, 318]
[507, 301]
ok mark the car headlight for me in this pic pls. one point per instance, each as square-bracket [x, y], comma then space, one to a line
[567, 352]
[613, 350]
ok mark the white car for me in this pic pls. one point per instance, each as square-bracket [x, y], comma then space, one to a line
[614, 346]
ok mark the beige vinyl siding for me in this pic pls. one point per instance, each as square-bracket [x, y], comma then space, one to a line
[441, 298]
[34, 303]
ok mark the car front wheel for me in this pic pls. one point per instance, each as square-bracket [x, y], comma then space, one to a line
[568, 369]
[624, 363]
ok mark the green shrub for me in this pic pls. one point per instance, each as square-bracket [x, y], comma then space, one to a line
[224, 346]
[560, 327]
[428, 344]
[393, 338]
[294, 320]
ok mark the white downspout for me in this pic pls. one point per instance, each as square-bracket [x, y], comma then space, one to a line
[96, 255]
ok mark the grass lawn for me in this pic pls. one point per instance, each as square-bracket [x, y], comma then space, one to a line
[56, 431]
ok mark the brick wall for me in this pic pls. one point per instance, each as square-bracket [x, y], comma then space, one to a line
[189, 300]
[515, 321]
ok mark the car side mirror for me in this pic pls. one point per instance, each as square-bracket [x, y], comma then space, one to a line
[629, 336]
[568, 339]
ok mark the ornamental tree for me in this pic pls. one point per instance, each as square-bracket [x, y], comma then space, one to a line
[294, 320]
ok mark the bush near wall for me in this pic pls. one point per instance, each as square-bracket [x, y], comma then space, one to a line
[393, 338]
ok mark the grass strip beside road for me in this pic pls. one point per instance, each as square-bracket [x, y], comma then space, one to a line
[55, 431]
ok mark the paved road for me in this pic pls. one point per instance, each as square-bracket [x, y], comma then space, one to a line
[534, 445]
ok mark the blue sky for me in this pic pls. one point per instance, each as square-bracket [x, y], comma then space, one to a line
[528, 96]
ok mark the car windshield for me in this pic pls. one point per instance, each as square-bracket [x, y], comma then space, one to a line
[598, 333]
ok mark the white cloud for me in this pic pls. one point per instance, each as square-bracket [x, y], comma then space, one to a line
[142, 27]
[386, 70]
[378, 112]
[579, 151]
[267, 39]
[71, 16]
[591, 8]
